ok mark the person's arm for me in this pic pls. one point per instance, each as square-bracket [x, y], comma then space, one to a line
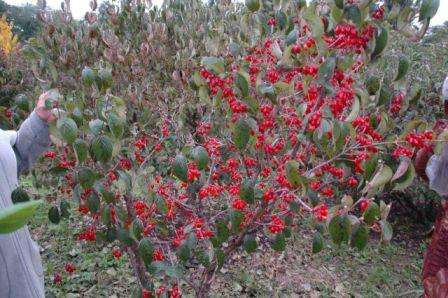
[33, 137]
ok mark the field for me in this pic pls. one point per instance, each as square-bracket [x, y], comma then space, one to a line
[392, 270]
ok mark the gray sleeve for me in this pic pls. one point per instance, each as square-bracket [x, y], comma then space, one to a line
[33, 138]
[437, 172]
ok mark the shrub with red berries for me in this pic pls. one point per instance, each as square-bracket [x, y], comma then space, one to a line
[243, 146]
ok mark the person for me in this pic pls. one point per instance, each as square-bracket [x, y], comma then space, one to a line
[434, 169]
[21, 272]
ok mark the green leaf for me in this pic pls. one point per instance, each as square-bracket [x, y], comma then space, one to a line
[428, 9]
[406, 180]
[104, 79]
[386, 231]
[236, 219]
[14, 217]
[183, 252]
[403, 67]
[401, 169]
[339, 229]
[111, 234]
[64, 206]
[279, 243]
[337, 13]
[88, 76]
[213, 63]
[384, 210]
[247, 191]
[380, 42]
[314, 21]
[267, 90]
[385, 96]
[22, 102]
[235, 49]
[53, 99]
[353, 13]
[197, 80]
[201, 157]
[339, 4]
[326, 70]
[180, 167]
[250, 243]
[360, 236]
[146, 251]
[415, 94]
[282, 19]
[241, 133]
[220, 258]
[372, 213]
[53, 215]
[242, 81]
[340, 131]
[173, 271]
[383, 176]
[137, 229]
[292, 37]
[370, 166]
[124, 237]
[96, 126]
[347, 201]
[101, 149]
[292, 173]
[294, 207]
[356, 107]
[108, 196]
[93, 202]
[253, 5]
[86, 177]
[222, 232]
[19, 195]
[78, 116]
[116, 125]
[203, 258]
[105, 215]
[68, 129]
[372, 84]
[318, 242]
[81, 149]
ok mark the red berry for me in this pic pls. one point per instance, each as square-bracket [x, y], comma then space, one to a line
[363, 205]
[296, 49]
[276, 225]
[57, 278]
[239, 204]
[117, 253]
[50, 154]
[352, 182]
[70, 268]
[146, 293]
[321, 212]
[272, 22]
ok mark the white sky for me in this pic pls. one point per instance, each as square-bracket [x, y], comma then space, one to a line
[79, 8]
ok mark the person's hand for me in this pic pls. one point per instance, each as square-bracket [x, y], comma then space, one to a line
[44, 113]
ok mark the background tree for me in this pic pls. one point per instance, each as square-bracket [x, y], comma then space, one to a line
[24, 19]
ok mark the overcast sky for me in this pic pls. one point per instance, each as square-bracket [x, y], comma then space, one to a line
[79, 8]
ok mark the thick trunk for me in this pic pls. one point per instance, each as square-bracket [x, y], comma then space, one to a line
[136, 261]
[138, 266]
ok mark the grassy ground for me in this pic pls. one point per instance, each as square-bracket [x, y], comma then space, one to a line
[379, 271]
